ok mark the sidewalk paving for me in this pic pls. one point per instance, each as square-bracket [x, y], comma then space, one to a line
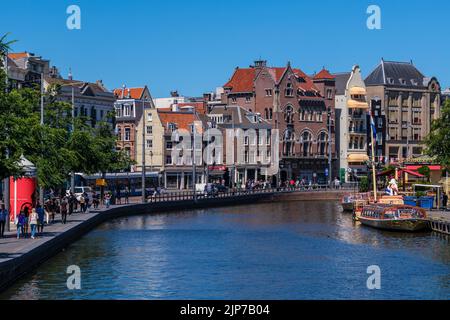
[11, 247]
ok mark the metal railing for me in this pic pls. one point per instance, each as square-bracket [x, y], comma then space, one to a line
[238, 192]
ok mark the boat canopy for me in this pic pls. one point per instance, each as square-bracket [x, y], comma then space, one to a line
[357, 157]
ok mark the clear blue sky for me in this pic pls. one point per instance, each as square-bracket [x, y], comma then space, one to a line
[194, 45]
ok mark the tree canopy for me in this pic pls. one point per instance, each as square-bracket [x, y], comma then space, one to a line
[438, 141]
[61, 146]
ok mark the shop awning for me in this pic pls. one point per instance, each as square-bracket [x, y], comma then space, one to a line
[357, 157]
[432, 167]
[413, 173]
[357, 104]
[357, 90]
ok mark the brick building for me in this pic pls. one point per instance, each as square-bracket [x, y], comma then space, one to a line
[298, 106]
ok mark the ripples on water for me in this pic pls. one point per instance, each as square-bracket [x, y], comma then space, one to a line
[289, 250]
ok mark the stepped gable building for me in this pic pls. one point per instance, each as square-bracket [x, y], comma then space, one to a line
[129, 106]
[409, 101]
[295, 104]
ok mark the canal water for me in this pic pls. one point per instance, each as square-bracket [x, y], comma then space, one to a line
[287, 250]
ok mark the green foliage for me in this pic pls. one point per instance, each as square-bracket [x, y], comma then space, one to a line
[425, 170]
[55, 148]
[364, 184]
[438, 141]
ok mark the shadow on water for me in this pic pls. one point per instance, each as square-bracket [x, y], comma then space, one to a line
[287, 250]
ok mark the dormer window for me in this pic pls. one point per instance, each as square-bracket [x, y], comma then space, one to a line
[414, 82]
[402, 81]
[171, 126]
[390, 80]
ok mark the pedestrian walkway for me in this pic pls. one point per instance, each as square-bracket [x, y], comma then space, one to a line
[11, 247]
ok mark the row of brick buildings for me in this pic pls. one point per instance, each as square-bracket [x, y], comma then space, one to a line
[322, 119]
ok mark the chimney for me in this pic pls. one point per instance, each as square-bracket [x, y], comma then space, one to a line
[260, 63]
[123, 91]
[174, 93]
[175, 107]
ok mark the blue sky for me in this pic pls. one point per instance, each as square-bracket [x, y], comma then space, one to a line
[193, 46]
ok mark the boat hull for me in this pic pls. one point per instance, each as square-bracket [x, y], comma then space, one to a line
[348, 206]
[409, 225]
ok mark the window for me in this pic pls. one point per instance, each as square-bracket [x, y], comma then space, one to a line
[119, 133]
[149, 130]
[171, 126]
[248, 98]
[329, 94]
[149, 143]
[270, 114]
[149, 117]
[266, 113]
[126, 110]
[168, 159]
[268, 92]
[289, 91]
[306, 143]
[127, 134]
[233, 99]
[246, 140]
[118, 112]
[289, 114]
[322, 143]
[169, 145]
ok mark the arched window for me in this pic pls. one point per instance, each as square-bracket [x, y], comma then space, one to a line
[306, 140]
[322, 143]
[289, 91]
[289, 114]
[288, 143]
[266, 113]
[302, 114]
[270, 113]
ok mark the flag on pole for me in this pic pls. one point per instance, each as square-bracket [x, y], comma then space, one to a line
[372, 126]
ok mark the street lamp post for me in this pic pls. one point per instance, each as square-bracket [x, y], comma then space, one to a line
[329, 147]
[143, 151]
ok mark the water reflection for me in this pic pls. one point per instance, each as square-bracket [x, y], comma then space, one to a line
[288, 250]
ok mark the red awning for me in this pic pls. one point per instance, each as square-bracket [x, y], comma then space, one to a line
[434, 167]
[413, 173]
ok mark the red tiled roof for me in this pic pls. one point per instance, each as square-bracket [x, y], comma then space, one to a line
[324, 74]
[18, 55]
[198, 106]
[135, 93]
[242, 80]
[181, 119]
[308, 85]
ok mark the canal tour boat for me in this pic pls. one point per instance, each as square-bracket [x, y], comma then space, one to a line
[394, 217]
[350, 201]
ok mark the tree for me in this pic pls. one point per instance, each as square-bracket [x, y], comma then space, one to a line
[425, 171]
[438, 140]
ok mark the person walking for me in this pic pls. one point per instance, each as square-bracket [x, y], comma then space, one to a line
[118, 196]
[33, 220]
[107, 199]
[71, 201]
[64, 205]
[20, 220]
[82, 203]
[3, 216]
[26, 213]
[40, 219]
[127, 195]
[445, 200]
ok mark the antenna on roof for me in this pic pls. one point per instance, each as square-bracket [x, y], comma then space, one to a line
[411, 61]
[69, 76]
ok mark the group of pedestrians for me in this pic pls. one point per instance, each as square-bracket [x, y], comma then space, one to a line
[30, 222]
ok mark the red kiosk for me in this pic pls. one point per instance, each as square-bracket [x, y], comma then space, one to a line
[22, 190]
